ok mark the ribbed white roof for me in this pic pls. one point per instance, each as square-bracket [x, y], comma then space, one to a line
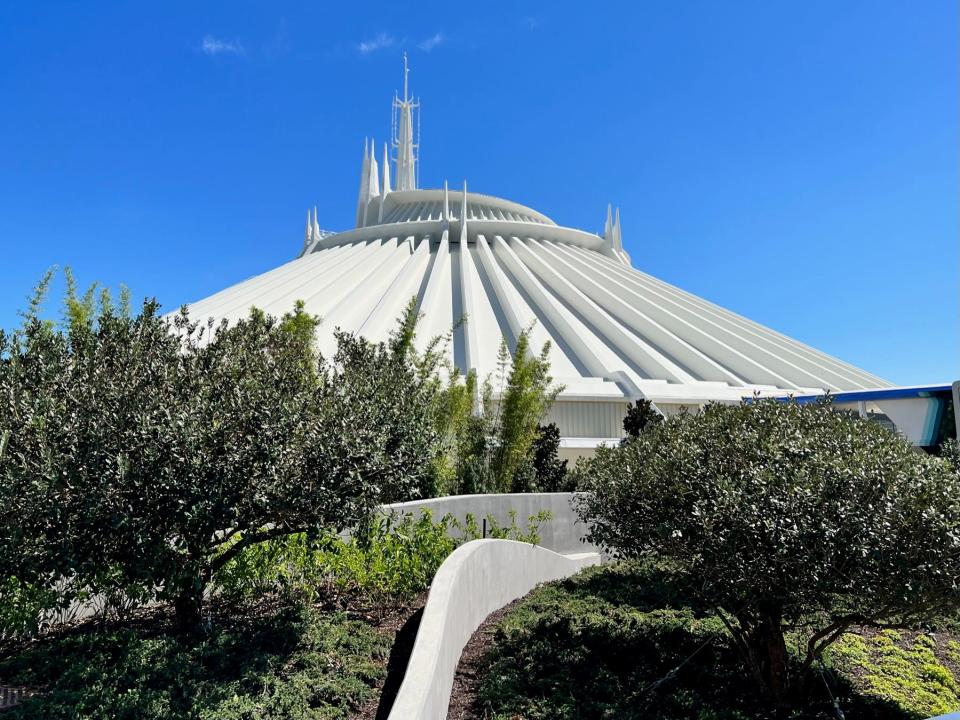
[615, 331]
[605, 319]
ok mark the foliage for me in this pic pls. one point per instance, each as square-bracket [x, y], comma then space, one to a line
[786, 515]
[524, 402]
[132, 445]
[389, 558]
[622, 641]
[544, 471]
[484, 445]
[297, 663]
[639, 415]
[490, 443]
[907, 672]
[22, 607]
[950, 451]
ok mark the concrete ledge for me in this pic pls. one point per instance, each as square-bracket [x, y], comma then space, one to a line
[477, 579]
[563, 533]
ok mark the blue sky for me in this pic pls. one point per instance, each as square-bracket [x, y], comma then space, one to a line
[794, 162]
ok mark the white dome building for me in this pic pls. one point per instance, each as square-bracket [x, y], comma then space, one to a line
[616, 333]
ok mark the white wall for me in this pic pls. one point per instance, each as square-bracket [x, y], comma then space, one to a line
[562, 534]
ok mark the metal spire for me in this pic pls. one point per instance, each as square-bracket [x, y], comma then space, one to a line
[364, 183]
[386, 184]
[463, 216]
[316, 225]
[308, 233]
[403, 142]
[446, 203]
[617, 240]
[386, 171]
[373, 181]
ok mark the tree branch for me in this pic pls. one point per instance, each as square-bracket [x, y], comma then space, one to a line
[248, 539]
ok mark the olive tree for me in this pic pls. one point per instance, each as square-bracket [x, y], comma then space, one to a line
[784, 516]
[142, 453]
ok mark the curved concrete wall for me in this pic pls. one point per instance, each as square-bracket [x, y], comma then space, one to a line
[563, 533]
[478, 578]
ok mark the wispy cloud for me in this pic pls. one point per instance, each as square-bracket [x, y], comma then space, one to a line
[438, 38]
[381, 41]
[529, 22]
[215, 46]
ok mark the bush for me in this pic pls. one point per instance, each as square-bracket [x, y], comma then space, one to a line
[639, 415]
[387, 559]
[296, 663]
[131, 446]
[784, 515]
[623, 640]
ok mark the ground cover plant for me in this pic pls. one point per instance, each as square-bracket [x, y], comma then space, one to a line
[286, 662]
[786, 518]
[627, 641]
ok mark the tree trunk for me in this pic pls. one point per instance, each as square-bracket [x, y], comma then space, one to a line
[188, 604]
[769, 658]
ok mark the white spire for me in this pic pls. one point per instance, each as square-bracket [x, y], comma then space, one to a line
[617, 240]
[403, 142]
[446, 203]
[463, 215]
[316, 226]
[374, 172]
[608, 226]
[386, 184]
[373, 181]
[386, 170]
[307, 235]
[364, 183]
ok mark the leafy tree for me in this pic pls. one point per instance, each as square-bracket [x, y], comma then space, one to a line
[133, 446]
[524, 402]
[489, 446]
[784, 516]
[639, 415]
[544, 471]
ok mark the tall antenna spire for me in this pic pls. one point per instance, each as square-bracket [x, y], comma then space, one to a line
[364, 183]
[403, 141]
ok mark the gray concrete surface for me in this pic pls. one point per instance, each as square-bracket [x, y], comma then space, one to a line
[477, 579]
[563, 533]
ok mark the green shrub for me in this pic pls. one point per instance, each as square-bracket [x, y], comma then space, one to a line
[386, 559]
[625, 641]
[295, 664]
[639, 415]
[784, 514]
[22, 607]
[132, 444]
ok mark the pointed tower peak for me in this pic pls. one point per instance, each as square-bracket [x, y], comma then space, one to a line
[308, 233]
[617, 237]
[463, 215]
[406, 167]
[386, 170]
[364, 196]
[374, 174]
[446, 201]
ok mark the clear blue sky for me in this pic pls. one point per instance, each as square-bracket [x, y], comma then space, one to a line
[795, 162]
